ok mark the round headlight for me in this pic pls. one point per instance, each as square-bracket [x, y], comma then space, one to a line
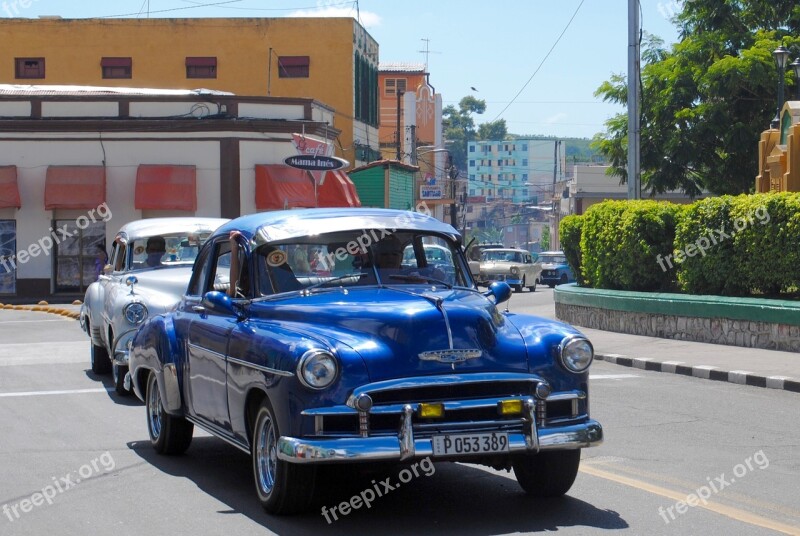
[317, 369]
[576, 353]
[135, 312]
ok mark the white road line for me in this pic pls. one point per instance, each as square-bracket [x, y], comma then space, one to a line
[48, 393]
[611, 376]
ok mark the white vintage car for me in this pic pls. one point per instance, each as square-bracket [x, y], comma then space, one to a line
[148, 271]
[514, 266]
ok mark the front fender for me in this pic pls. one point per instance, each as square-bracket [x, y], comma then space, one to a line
[154, 349]
[92, 313]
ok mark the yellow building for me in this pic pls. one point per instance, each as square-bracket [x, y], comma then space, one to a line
[331, 60]
[779, 153]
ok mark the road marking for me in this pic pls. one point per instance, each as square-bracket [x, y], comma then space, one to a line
[36, 321]
[727, 511]
[611, 376]
[65, 392]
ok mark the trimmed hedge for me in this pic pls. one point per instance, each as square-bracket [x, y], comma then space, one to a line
[569, 236]
[735, 246]
[621, 241]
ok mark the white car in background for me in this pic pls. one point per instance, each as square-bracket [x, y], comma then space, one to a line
[135, 286]
[514, 266]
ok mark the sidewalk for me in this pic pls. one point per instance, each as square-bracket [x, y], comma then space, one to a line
[735, 364]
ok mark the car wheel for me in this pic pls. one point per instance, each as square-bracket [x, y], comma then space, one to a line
[547, 474]
[551, 285]
[533, 288]
[282, 487]
[118, 373]
[168, 434]
[101, 364]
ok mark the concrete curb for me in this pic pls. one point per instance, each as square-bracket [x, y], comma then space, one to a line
[741, 377]
[44, 309]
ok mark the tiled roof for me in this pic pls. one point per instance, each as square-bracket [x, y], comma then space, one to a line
[401, 66]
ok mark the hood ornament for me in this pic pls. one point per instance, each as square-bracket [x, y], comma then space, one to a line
[451, 356]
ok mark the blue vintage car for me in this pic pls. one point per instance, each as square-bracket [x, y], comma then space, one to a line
[368, 358]
[555, 270]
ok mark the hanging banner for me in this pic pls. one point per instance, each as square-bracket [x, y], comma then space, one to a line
[312, 146]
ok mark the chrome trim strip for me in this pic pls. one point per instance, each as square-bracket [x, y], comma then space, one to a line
[443, 380]
[388, 448]
[172, 391]
[407, 434]
[203, 348]
[451, 405]
[226, 439]
[532, 433]
[262, 368]
[567, 395]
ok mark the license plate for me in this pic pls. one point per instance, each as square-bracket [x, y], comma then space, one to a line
[446, 445]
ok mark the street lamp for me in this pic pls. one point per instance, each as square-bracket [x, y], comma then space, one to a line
[795, 65]
[781, 56]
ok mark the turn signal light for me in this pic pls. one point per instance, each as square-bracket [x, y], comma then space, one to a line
[431, 411]
[509, 407]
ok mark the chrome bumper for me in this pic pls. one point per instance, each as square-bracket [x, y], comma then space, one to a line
[405, 447]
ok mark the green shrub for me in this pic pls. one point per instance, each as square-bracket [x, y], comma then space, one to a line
[621, 242]
[569, 233]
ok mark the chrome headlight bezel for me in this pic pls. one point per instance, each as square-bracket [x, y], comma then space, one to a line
[514, 270]
[311, 361]
[135, 313]
[575, 353]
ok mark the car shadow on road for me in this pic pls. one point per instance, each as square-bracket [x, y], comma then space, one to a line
[455, 499]
[107, 382]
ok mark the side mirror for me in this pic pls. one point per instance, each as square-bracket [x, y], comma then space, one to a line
[220, 303]
[499, 291]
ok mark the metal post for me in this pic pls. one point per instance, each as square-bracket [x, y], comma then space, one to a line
[399, 96]
[634, 133]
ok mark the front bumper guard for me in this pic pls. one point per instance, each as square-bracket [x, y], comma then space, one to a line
[405, 447]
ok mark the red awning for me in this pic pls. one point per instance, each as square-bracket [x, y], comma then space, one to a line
[74, 187]
[9, 192]
[162, 187]
[279, 186]
[337, 190]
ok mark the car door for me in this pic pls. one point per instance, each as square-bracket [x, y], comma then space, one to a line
[207, 345]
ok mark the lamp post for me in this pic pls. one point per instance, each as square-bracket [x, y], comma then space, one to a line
[781, 55]
[795, 65]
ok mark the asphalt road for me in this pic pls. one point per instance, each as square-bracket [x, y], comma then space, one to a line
[75, 459]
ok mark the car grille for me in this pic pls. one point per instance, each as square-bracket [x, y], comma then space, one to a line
[469, 407]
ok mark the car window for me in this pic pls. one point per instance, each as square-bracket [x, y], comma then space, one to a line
[199, 276]
[553, 259]
[177, 249]
[118, 255]
[359, 258]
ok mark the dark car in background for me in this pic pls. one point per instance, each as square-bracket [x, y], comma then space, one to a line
[555, 270]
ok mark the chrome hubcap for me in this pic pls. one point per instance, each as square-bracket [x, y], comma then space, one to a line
[154, 411]
[266, 456]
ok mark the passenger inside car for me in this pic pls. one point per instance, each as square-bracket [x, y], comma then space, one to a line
[155, 249]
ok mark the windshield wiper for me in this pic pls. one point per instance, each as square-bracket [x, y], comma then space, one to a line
[420, 278]
[359, 275]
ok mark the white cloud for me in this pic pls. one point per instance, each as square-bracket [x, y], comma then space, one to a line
[555, 118]
[368, 19]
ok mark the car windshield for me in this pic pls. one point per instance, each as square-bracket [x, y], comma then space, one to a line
[360, 258]
[552, 259]
[501, 255]
[167, 249]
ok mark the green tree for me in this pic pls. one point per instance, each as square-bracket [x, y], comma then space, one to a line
[706, 100]
[544, 243]
[459, 128]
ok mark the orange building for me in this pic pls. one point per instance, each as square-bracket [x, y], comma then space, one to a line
[330, 60]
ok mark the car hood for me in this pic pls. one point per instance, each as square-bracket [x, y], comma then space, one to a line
[163, 286]
[404, 332]
[553, 266]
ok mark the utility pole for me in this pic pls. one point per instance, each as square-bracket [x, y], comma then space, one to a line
[452, 174]
[634, 127]
[399, 138]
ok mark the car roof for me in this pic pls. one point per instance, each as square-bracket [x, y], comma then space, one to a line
[551, 253]
[266, 227]
[155, 226]
[515, 250]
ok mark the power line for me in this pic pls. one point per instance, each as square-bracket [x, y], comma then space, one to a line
[542, 62]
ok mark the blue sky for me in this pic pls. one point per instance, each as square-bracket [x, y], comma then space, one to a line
[500, 48]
